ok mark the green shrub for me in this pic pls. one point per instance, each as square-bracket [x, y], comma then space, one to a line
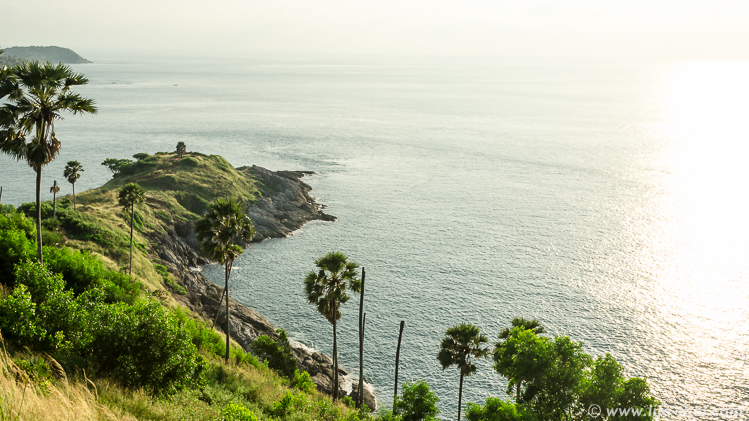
[496, 409]
[237, 412]
[203, 337]
[416, 402]
[144, 344]
[279, 355]
[188, 162]
[303, 381]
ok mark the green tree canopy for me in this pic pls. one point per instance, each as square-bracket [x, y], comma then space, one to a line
[416, 402]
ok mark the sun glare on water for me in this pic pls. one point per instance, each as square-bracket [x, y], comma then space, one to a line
[696, 241]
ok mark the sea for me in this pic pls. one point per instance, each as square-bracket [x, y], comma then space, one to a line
[606, 198]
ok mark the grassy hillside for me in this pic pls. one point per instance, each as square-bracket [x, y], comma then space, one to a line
[177, 190]
[67, 352]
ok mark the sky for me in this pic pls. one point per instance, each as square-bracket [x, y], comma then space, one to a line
[652, 29]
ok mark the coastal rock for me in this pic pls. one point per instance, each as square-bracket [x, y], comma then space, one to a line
[369, 397]
[285, 204]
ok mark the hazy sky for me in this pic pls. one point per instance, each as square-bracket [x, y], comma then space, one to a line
[678, 29]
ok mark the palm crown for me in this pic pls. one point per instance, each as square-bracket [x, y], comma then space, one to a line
[225, 222]
[326, 288]
[73, 171]
[462, 343]
[526, 324]
[130, 195]
[37, 95]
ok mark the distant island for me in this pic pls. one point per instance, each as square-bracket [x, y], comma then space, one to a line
[13, 55]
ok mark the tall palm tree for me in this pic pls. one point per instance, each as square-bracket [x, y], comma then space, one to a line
[225, 223]
[131, 194]
[37, 95]
[526, 324]
[462, 343]
[54, 190]
[73, 172]
[327, 289]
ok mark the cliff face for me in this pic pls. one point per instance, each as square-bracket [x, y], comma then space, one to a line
[284, 206]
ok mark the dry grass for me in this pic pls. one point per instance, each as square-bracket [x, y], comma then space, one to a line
[22, 399]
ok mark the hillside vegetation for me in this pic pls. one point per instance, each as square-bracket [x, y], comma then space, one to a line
[83, 340]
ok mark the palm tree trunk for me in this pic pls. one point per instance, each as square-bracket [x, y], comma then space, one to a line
[335, 362]
[397, 361]
[54, 205]
[226, 288]
[39, 214]
[73, 197]
[460, 396]
[361, 342]
[132, 218]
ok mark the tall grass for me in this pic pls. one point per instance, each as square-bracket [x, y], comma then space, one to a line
[23, 399]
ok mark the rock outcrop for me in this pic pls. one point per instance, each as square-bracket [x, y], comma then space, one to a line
[285, 206]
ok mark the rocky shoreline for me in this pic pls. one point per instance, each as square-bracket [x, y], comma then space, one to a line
[285, 206]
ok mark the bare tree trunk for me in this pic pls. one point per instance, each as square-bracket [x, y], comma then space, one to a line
[460, 396]
[361, 342]
[397, 361]
[226, 287]
[335, 362]
[132, 219]
[39, 214]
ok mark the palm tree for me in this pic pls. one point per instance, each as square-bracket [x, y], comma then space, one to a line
[54, 190]
[460, 345]
[131, 194]
[73, 172]
[327, 288]
[526, 324]
[225, 223]
[37, 94]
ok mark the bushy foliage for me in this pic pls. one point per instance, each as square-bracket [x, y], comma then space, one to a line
[279, 355]
[143, 344]
[303, 381]
[554, 378]
[203, 337]
[80, 270]
[495, 409]
[416, 402]
[117, 166]
[237, 412]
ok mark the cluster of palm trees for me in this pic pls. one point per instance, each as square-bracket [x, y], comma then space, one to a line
[36, 95]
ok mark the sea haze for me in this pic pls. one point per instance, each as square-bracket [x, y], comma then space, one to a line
[605, 198]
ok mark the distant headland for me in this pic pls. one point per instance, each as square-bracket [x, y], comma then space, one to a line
[51, 54]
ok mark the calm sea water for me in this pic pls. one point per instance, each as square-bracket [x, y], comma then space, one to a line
[607, 199]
